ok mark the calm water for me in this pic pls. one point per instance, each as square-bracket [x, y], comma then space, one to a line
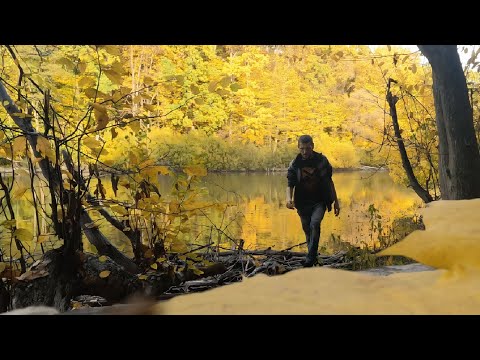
[261, 218]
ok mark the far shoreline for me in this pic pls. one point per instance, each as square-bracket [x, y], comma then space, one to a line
[4, 170]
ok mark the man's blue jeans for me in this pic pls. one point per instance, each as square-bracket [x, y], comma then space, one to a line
[311, 217]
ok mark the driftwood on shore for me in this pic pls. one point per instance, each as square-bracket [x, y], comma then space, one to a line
[108, 283]
[247, 263]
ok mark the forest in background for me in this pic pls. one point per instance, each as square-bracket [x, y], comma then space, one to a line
[236, 107]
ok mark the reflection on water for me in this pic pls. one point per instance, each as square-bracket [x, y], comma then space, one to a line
[266, 222]
[260, 216]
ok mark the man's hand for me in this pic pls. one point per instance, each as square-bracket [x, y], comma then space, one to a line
[290, 204]
[336, 208]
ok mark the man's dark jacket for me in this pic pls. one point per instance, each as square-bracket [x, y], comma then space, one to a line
[323, 178]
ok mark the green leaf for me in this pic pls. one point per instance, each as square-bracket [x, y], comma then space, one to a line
[102, 258]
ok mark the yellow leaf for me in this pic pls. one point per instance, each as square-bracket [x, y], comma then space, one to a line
[154, 266]
[197, 271]
[22, 183]
[92, 143]
[194, 89]
[124, 183]
[147, 80]
[9, 223]
[199, 101]
[133, 158]
[82, 67]
[19, 146]
[104, 274]
[2, 134]
[180, 79]
[101, 116]
[222, 92]
[119, 209]
[44, 147]
[102, 258]
[23, 235]
[135, 125]
[114, 77]
[112, 49]
[146, 163]
[225, 81]
[149, 107]
[235, 87]
[67, 174]
[179, 246]
[414, 68]
[66, 62]
[118, 68]
[195, 170]
[153, 171]
[2, 267]
[212, 86]
[93, 93]
[142, 277]
[42, 238]
[174, 207]
[86, 82]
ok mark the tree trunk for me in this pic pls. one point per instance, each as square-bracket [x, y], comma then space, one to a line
[423, 193]
[459, 158]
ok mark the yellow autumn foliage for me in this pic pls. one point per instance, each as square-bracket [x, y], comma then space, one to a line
[450, 243]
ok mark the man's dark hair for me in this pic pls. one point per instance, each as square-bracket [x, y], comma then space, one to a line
[305, 139]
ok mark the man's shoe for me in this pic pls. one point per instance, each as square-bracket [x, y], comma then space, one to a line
[307, 264]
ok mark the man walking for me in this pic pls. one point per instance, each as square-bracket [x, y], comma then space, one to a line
[311, 191]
